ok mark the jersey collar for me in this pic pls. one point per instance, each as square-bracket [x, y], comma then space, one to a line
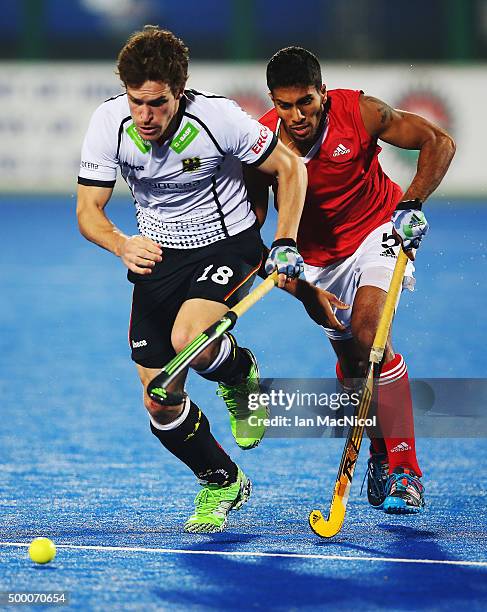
[319, 141]
[179, 118]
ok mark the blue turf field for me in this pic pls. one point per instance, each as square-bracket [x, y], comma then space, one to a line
[78, 463]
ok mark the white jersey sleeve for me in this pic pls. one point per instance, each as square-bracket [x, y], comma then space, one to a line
[244, 137]
[99, 152]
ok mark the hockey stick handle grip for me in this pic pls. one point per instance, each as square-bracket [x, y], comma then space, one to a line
[255, 295]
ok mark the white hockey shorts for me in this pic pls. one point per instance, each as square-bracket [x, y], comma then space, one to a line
[372, 264]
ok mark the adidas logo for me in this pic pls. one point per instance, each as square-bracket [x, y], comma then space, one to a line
[340, 150]
[415, 221]
[401, 447]
[388, 253]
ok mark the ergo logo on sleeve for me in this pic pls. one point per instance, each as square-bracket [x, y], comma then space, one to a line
[89, 165]
[259, 145]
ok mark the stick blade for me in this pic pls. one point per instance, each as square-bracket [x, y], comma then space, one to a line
[327, 528]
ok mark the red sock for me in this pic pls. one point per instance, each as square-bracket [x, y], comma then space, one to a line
[395, 415]
[340, 377]
[376, 442]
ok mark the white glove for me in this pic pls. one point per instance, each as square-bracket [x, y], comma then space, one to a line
[410, 224]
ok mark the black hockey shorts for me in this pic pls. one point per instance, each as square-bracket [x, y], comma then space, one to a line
[221, 272]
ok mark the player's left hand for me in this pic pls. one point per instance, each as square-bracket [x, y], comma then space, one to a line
[320, 305]
[410, 224]
[285, 258]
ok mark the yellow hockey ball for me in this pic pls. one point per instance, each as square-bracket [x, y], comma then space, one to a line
[42, 550]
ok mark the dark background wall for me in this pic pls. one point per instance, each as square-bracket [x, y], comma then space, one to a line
[358, 30]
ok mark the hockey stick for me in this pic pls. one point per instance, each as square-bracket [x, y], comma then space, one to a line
[327, 528]
[157, 388]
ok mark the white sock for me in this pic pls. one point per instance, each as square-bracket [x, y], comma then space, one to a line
[177, 422]
[223, 353]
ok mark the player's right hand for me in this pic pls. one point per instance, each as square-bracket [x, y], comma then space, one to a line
[410, 224]
[140, 254]
[285, 258]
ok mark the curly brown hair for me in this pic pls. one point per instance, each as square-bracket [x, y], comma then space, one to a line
[153, 54]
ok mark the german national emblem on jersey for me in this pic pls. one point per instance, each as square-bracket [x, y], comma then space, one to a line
[191, 164]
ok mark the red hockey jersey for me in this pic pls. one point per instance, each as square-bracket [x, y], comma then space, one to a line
[348, 195]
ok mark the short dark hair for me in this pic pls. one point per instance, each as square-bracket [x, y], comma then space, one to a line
[153, 54]
[293, 66]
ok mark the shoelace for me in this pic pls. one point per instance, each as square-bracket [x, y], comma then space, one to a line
[378, 489]
[230, 395]
[208, 499]
[394, 483]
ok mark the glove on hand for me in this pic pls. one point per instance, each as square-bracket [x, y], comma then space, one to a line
[410, 224]
[285, 258]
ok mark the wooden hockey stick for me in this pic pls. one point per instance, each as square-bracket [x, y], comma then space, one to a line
[327, 528]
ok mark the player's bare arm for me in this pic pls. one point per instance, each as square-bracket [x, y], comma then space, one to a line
[410, 131]
[292, 179]
[137, 252]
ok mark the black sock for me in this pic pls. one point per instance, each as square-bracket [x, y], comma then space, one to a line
[193, 443]
[234, 369]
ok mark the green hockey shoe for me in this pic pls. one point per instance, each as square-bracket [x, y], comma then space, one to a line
[214, 502]
[248, 426]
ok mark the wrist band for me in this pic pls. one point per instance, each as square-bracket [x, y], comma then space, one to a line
[284, 242]
[415, 204]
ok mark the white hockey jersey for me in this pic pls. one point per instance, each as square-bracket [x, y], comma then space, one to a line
[189, 191]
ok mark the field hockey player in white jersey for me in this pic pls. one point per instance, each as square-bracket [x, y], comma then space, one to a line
[199, 248]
